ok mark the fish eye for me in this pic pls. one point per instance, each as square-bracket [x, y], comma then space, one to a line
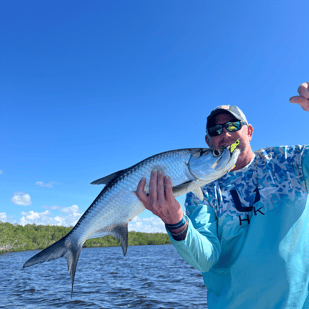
[216, 152]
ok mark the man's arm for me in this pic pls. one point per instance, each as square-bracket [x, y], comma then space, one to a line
[303, 101]
[200, 247]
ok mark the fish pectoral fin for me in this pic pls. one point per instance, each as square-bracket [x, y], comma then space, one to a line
[182, 188]
[189, 186]
[107, 179]
[199, 193]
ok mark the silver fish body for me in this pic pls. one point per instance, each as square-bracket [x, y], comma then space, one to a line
[117, 204]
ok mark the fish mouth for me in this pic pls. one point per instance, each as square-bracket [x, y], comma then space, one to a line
[217, 152]
[225, 146]
[226, 155]
[229, 145]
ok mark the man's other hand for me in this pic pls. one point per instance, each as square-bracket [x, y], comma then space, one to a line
[303, 98]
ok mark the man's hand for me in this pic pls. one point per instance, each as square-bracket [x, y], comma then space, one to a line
[160, 201]
[303, 98]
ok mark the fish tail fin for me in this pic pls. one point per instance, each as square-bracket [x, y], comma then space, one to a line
[72, 259]
[62, 248]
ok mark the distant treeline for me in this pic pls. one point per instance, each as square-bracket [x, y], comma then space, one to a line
[38, 237]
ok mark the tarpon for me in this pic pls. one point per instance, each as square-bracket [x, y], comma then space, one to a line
[117, 204]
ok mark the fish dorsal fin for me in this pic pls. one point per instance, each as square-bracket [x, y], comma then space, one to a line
[107, 179]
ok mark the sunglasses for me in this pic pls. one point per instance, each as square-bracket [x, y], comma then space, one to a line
[230, 126]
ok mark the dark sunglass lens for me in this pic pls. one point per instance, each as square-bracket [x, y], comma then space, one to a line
[214, 131]
[233, 126]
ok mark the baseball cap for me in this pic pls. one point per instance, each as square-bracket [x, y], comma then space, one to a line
[233, 110]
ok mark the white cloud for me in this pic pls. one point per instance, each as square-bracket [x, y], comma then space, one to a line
[71, 209]
[70, 216]
[1, 172]
[147, 225]
[47, 185]
[46, 218]
[21, 198]
[51, 207]
[3, 217]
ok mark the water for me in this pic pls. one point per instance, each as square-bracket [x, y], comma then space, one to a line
[147, 277]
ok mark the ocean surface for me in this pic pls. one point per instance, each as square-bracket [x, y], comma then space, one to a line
[147, 277]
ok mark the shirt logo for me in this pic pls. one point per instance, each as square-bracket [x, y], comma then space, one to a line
[247, 209]
[237, 202]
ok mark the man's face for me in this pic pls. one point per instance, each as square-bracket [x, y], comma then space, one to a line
[228, 138]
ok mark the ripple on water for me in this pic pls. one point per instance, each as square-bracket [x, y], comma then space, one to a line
[147, 277]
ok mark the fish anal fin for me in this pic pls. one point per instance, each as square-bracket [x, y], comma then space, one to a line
[119, 231]
[107, 179]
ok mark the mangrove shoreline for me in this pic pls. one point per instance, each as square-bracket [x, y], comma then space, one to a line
[14, 238]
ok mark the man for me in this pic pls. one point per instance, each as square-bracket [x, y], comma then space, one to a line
[250, 235]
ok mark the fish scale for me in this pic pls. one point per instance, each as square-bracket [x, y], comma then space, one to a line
[128, 204]
[117, 204]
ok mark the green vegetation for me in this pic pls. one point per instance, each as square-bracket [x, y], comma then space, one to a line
[38, 237]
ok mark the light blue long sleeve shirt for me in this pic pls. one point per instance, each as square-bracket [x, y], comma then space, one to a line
[250, 235]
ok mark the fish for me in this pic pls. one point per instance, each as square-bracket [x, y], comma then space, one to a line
[189, 170]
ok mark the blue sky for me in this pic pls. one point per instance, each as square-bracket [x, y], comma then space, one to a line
[89, 88]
